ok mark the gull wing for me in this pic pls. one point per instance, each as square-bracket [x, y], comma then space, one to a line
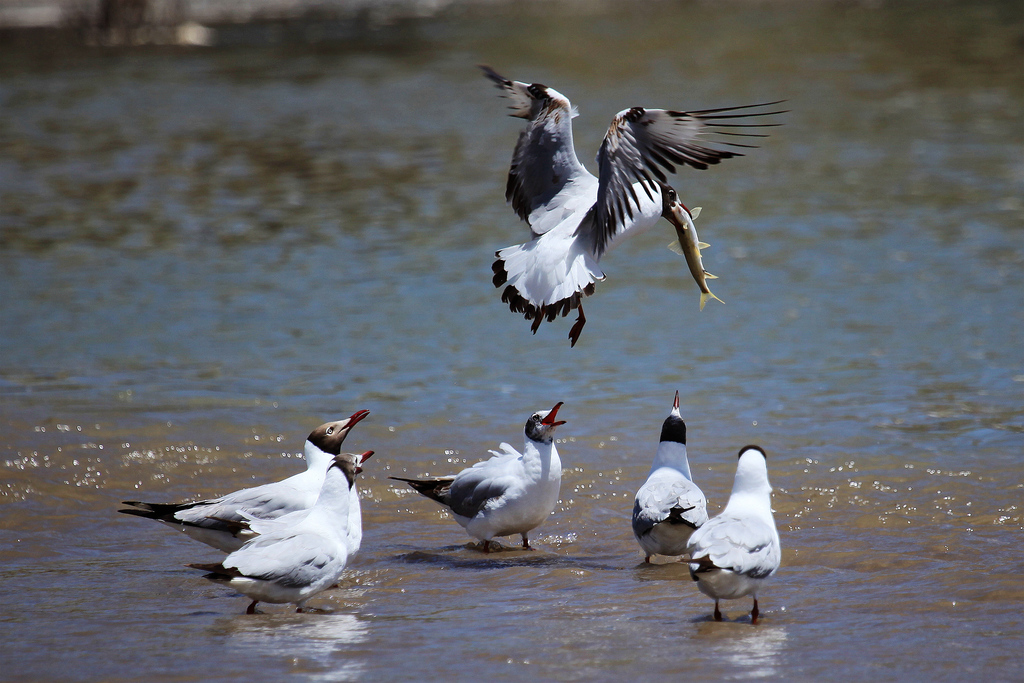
[544, 163]
[641, 144]
[293, 560]
[485, 481]
[264, 502]
[675, 502]
[745, 546]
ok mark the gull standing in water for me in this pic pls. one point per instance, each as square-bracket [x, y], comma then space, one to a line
[669, 506]
[223, 522]
[738, 550]
[574, 217]
[354, 534]
[511, 493]
[292, 561]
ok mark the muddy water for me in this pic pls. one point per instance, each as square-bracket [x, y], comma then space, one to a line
[205, 254]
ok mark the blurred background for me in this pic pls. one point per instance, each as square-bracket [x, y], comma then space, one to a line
[223, 223]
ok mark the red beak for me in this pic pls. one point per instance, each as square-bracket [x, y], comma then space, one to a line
[366, 456]
[549, 419]
[357, 417]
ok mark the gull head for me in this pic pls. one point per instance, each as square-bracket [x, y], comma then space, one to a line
[541, 425]
[674, 428]
[350, 464]
[329, 436]
[752, 470]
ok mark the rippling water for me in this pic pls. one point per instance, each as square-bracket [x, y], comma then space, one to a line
[205, 254]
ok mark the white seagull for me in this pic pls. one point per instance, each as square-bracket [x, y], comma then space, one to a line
[292, 562]
[511, 493]
[223, 522]
[669, 506]
[354, 535]
[575, 218]
[737, 550]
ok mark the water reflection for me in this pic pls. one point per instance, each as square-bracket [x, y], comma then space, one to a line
[757, 651]
[315, 646]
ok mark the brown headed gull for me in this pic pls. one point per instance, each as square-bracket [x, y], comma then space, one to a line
[294, 560]
[738, 549]
[669, 506]
[222, 522]
[511, 493]
[354, 536]
[574, 217]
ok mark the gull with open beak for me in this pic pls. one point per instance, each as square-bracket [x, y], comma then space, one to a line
[294, 558]
[511, 493]
[223, 522]
[669, 506]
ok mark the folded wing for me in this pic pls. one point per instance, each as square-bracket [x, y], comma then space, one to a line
[747, 546]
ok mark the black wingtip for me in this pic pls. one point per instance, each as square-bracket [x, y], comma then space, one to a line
[148, 514]
[499, 80]
[717, 110]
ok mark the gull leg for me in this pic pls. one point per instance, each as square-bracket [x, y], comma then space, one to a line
[487, 546]
[647, 559]
[251, 609]
[718, 613]
[577, 328]
[526, 543]
[754, 613]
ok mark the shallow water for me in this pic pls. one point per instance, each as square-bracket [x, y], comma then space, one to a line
[205, 254]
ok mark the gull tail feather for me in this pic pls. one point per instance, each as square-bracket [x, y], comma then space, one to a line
[547, 277]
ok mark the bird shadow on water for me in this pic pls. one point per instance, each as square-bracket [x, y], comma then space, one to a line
[502, 558]
[661, 571]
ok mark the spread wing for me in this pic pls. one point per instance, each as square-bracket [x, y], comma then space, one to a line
[544, 163]
[641, 144]
[675, 502]
[294, 560]
[745, 546]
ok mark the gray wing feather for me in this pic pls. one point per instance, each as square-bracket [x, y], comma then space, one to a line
[473, 489]
[544, 160]
[264, 502]
[679, 503]
[746, 546]
[644, 518]
[542, 164]
[295, 560]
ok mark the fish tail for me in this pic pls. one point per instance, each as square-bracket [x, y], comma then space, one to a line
[704, 296]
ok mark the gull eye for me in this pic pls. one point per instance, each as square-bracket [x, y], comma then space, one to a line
[330, 430]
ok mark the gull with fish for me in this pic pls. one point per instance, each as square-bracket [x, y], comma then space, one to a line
[511, 493]
[223, 522]
[735, 552]
[575, 217]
